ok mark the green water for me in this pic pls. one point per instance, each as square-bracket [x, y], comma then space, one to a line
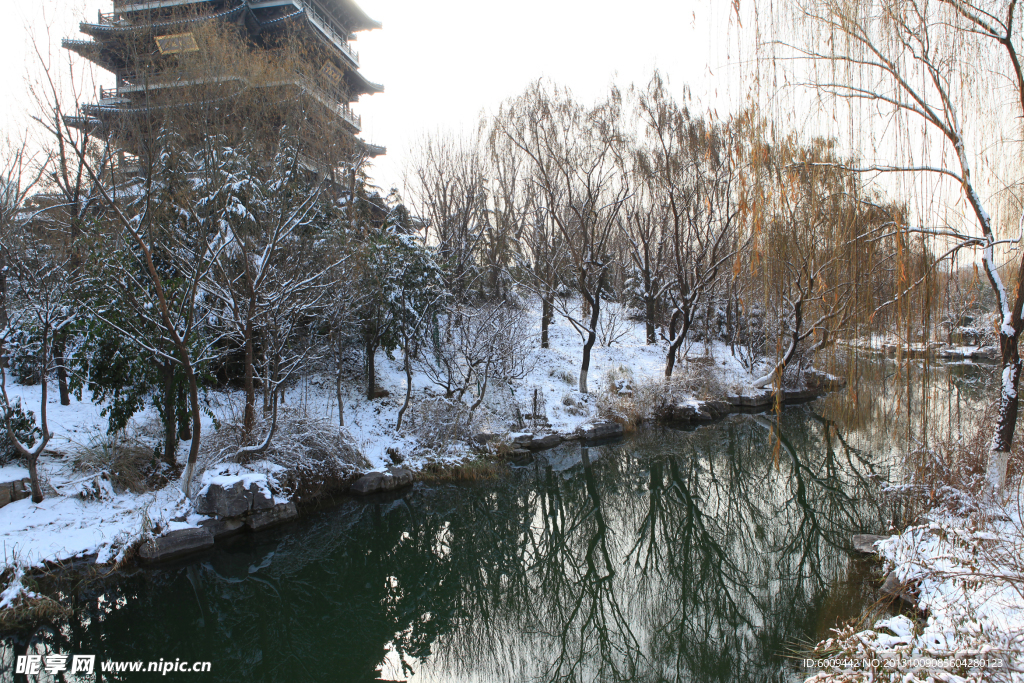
[706, 555]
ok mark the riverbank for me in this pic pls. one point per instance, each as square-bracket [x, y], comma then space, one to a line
[957, 583]
[96, 512]
[668, 537]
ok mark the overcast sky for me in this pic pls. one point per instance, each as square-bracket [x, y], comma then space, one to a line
[443, 63]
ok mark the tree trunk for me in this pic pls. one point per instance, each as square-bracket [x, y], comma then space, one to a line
[650, 311]
[185, 430]
[33, 476]
[780, 367]
[3, 292]
[249, 415]
[408, 390]
[170, 413]
[1002, 440]
[675, 341]
[547, 308]
[193, 399]
[60, 344]
[595, 312]
[341, 404]
[371, 369]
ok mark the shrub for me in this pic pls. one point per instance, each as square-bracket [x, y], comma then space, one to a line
[573, 405]
[441, 422]
[24, 424]
[696, 378]
[127, 462]
[565, 375]
[22, 346]
[631, 407]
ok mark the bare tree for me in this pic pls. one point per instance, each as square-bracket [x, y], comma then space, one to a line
[571, 154]
[488, 341]
[72, 197]
[645, 238]
[952, 69]
[687, 166]
[519, 217]
[449, 192]
[40, 300]
[266, 262]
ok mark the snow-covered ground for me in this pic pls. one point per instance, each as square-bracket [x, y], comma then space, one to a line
[67, 525]
[968, 578]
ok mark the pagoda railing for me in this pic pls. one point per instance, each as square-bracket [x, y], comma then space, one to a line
[326, 98]
[318, 19]
[109, 93]
[321, 23]
[109, 17]
[309, 85]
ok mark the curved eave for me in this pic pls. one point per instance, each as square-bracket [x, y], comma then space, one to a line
[375, 150]
[95, 52]
[356, 18]
[87, 123]
[360, 85]
[103, 29]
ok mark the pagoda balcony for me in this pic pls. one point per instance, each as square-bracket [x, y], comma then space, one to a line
[320, 22]
[110, 98]
[317, 17]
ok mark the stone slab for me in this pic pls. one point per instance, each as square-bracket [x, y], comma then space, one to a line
[222, 528]
[279, 514]
[367, 484]
[396, 478]
[225, 502]
[544, 442]
[600, 430]
[865, 543]
[176, 544]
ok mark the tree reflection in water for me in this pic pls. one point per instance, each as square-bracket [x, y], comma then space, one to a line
[701, 555]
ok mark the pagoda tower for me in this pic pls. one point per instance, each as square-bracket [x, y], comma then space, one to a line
[216, 62]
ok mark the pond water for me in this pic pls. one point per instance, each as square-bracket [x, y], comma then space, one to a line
[710, 554]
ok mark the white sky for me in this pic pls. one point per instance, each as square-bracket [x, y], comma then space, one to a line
[443, 63]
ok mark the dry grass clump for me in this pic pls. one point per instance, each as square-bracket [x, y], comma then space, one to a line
[633, 407]
[28, 612]
[697, 378]
[574, 405]
[477, 469]
[299, 435]
[129, 463]
[319, 456]
[29, 607]
[441, 422]
[564, 374]
[950, 472]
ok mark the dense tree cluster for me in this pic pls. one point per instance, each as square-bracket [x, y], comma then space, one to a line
[701, 228]
[246, 253]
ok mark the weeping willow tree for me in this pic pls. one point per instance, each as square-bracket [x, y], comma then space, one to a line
[820, 260]
[931, 94]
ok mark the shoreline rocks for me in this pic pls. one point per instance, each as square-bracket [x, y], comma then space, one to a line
[891, 587]
[865, 543]
[379, 482]
[175, 544]
[11, 491]
[599, 431]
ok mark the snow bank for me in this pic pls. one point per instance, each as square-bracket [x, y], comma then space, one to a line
[969, 579]
[66, 526]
